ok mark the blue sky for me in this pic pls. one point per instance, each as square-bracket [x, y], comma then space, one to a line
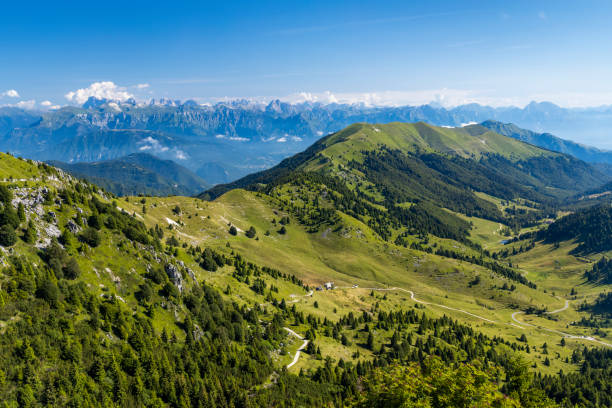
[393, 52]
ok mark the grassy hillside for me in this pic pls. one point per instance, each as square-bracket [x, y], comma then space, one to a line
[96, 309]
[175, 301]
[350, 254]
[468, 141]
[522, 164]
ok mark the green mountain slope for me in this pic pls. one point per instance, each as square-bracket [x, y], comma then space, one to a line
[138, 173]
[591, 228]
[533, 166]
[96, 310]
[400, 173]
[550, 142]
[150, 301]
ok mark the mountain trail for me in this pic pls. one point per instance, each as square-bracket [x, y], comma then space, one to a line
[518, 324]
[299, 350]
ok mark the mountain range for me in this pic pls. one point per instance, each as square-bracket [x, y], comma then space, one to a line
[225, 141]
[551, 142]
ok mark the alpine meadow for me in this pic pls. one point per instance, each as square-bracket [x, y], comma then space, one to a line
[400, 205]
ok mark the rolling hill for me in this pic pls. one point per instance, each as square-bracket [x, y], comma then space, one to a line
[477, 143]
[402, 174]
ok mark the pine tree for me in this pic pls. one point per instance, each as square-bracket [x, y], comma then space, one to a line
[370, 342]
[30, 235]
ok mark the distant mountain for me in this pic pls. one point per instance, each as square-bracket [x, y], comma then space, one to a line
[551, 142]
[138, 173]
[12, 118]
[218, 173]
[228, 140]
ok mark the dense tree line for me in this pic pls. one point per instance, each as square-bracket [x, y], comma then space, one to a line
[601, 272]
[591, 228]
[114, 357]
[492, 265]
[406, 178]
[422, 218]
[589, 387]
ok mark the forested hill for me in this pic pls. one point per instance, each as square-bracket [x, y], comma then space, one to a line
[138, 173]
[416, 169]
[591, 228]
[527, 164]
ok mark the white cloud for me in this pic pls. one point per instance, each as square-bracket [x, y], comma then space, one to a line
[450, 98]
[179, 154]
[445, 97]
[142, 86]
[11, 93]
[296, 138]
[148, 143]
[26, 104]
[100, 90]
[325, 97]
[281, 139]
[46, 103]
[234, 138]
[114, 106]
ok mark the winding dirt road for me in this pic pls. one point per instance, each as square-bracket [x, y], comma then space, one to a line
[517, 323]
[562, 334]
[299, 350]
[560, 310]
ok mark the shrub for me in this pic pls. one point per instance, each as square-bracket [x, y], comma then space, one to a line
[48, 291]
[233, 230]
[71, 269]
[9, 217]
[5, 195]
[169, 290]
[94, 221]
[156, 275]
[91, 237]
[145, 293]
[251, 232]
[137, 235]
[7, 236]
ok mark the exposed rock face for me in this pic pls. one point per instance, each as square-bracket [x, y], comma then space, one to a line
[175, 276]
[189, 271]
[52, 230]
[32, 199]
[73, 227]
